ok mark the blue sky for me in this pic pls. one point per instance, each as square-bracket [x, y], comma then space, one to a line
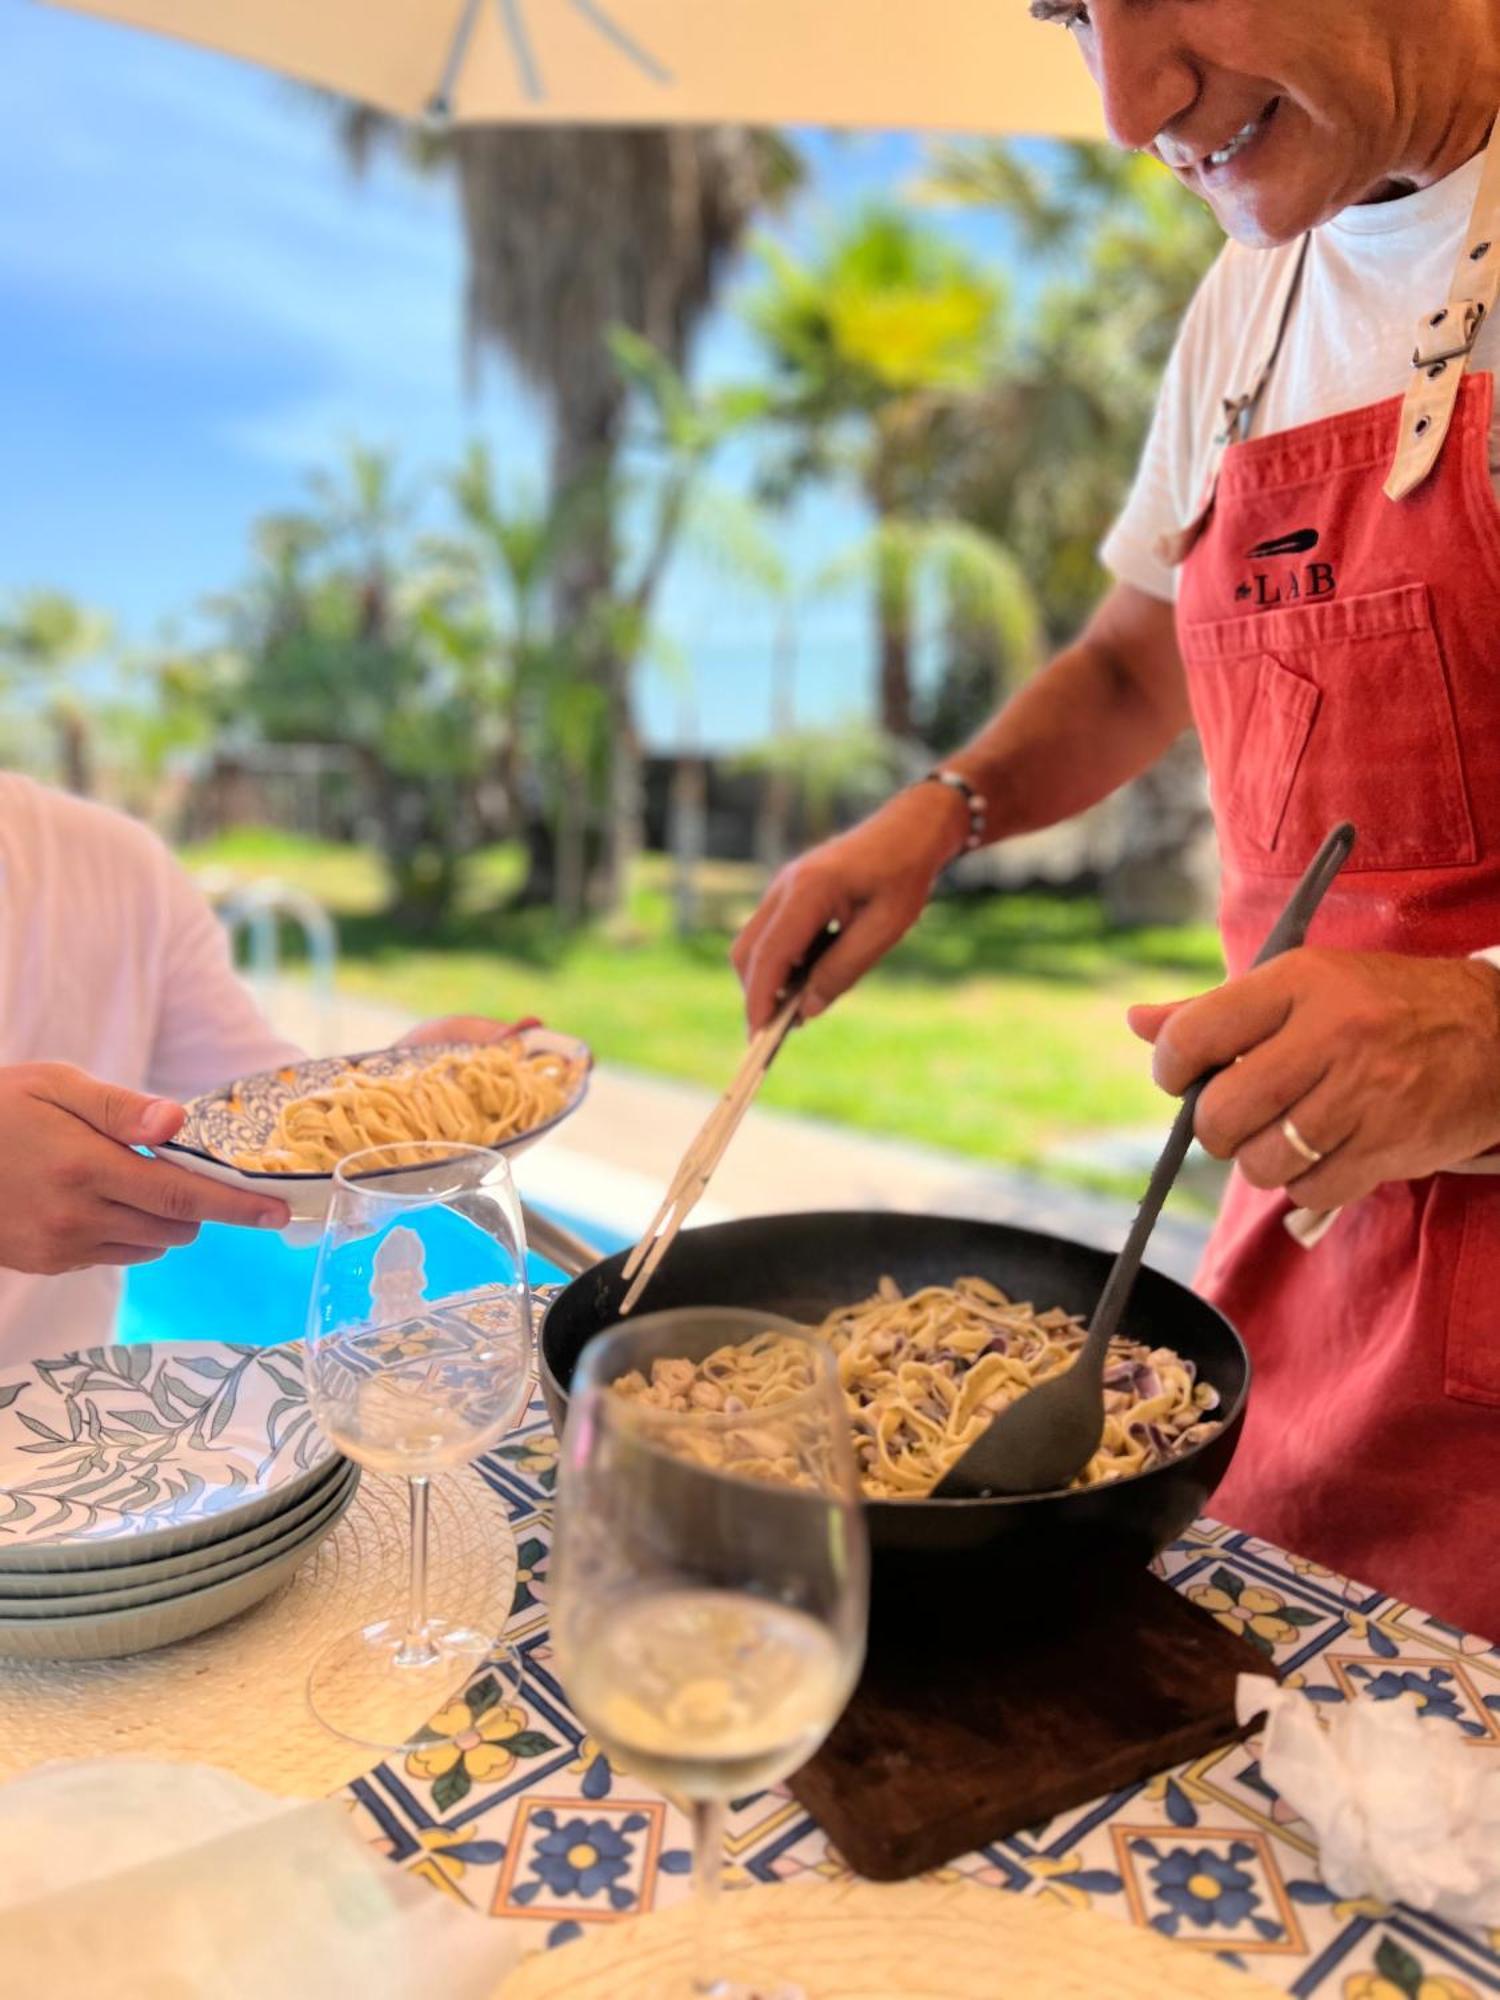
[198, 303]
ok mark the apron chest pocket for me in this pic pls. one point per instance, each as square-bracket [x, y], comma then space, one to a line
[1331, 711]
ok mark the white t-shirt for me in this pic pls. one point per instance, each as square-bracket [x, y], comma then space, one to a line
[110, 959]
[1372, 274]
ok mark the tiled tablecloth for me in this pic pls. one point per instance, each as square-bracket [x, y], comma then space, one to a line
[514, 1808]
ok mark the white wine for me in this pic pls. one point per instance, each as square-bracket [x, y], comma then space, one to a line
[422, 1395]
[713, 1694]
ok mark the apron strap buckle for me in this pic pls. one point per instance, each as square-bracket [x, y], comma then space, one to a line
[1238, 412]
[1453, 330]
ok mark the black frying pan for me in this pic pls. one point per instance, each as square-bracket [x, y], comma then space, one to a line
[803, 1265]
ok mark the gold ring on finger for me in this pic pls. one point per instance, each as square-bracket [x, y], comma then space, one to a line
[1298, 1144]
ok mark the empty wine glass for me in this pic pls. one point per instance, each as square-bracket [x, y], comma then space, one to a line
[709, 1573]
[418, 1359]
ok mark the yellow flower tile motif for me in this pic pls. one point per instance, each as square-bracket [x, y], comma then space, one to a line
[1066, 1880]
[535, 1455]
[589, 1750]
[411, 1343]
[476, 1740]
[1400, 1975]
[436, 1865]
[1155, 1789]
[480, 1746]
[1252, 1611]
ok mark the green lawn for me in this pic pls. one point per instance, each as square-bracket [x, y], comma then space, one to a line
[997, 1029]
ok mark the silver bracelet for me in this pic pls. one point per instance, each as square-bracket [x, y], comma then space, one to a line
[974, 804]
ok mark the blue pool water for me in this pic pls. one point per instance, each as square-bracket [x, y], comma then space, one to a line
[245, 1286]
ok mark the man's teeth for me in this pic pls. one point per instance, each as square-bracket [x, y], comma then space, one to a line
[1241, 138]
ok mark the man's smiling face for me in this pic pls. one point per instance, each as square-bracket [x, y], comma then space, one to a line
[1278, 113]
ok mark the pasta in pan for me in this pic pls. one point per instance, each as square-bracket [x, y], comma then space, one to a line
[476, 1096]
[923, 1373]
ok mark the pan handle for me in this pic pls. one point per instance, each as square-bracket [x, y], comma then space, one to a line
[559, 1246]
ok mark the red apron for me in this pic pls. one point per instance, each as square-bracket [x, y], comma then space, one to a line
[1343, 660]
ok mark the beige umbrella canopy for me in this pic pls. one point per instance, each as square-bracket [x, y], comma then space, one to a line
[947, 65]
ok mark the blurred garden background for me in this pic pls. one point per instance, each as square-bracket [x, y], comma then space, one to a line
[520, 542]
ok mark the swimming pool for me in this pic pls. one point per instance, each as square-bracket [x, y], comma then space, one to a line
[244, 1286]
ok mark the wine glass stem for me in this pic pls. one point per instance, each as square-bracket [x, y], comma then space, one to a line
[708, 1875]
[417, 1648]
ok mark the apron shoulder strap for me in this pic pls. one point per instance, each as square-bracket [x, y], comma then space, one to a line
[1445, 338]
[1238, 417]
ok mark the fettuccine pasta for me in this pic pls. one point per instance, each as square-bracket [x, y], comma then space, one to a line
[922, 1374]
[475, 1097]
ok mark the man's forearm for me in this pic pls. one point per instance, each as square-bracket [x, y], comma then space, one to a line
[1102, 712]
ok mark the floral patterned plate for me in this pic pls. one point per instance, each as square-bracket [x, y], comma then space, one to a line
[62, 1588]
[239, 1117]
[333, 1500]
[118, 1454]
[141, 1628]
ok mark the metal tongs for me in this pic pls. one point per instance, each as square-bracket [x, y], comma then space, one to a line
[712, 1138]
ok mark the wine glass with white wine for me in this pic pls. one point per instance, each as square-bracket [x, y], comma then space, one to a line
[710, 1570]
[419, 1351]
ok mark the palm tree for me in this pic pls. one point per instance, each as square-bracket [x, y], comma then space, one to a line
[893, 326]
[570, 232]
[501, 573]
[44, 637]
[851, 766]
[1126, 249]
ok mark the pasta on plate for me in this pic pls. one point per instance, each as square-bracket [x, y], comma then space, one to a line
[475, 1096]
[922, 1373]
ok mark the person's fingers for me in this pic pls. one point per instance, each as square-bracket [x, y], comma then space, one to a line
[1322, 1118]
[123, 1253]
[748, 936]
[127, 1115]
[1211, 1031]
[464, 1028]
[804, 911]
[1148, 1018]
[157, 1188]
[861, 944]
[139, 1226]
[1252, 1094]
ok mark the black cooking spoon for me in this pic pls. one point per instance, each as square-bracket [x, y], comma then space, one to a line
[1040, 1442]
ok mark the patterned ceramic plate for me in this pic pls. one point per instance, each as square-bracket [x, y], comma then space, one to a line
[140, 1628]
[61, 1588]
[239, 1117]
[120, 1453]
[332, 1500]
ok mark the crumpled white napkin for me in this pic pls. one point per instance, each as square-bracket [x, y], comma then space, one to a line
[1403, 1809]
[158, 1881]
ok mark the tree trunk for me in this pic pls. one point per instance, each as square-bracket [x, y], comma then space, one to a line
[584, 441]
[895, 612]
[569, 886]
[773, 818]
[1166, 872]
[688, 839]
[74, 751]
[623, 836]
[511, 770]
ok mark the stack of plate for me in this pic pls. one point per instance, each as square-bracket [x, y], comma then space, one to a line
[147, 1493]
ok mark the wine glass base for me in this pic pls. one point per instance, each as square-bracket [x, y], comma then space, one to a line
[372, 1688]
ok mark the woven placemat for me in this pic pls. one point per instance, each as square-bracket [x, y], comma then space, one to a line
[915, 1941]
[235, 1697]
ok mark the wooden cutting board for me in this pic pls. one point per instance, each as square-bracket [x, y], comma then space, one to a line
[1031, 1709]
